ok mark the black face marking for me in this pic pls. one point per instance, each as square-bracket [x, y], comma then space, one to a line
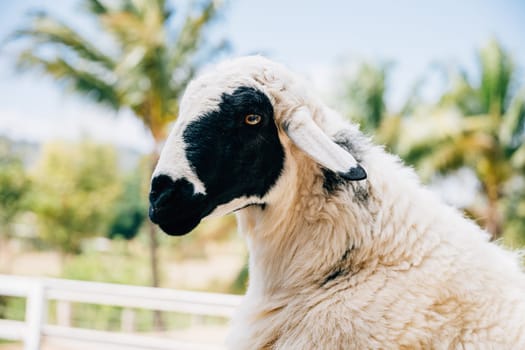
[332, 182]
[232, 158]
[341, 268]
[361, 193]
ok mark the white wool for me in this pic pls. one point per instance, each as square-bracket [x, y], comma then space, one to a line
[378, 264]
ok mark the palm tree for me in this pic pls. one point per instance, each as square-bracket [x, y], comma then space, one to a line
[480, 126]
[362, 96]
[143, 66]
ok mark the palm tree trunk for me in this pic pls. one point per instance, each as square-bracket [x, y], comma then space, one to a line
[493, 219]
[158, 322]
[493, 222]
[153, 249]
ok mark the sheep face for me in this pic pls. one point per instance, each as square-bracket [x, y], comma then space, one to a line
[232, 156]
[226, 151]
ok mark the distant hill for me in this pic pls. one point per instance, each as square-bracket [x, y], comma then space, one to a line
[29, 152]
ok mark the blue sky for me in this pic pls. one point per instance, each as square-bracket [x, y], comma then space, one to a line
[310, 36]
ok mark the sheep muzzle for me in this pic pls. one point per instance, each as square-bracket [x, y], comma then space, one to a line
[174, 206]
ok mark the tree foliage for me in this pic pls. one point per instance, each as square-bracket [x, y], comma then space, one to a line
[75, 188]
[363, 95]
[145, 64]
[131, 207]
[145, 68]
[476, 124]
[480, 126]
[14, 186]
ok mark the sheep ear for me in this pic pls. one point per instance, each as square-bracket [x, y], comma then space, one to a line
[306, 135]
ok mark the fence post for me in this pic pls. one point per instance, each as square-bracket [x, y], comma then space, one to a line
[36, 310]
[64, 313]
[127, 320]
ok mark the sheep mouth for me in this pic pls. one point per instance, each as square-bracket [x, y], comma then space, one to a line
[174, 225]
[179, 227]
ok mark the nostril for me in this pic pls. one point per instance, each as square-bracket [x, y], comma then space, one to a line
[159, 185]
[165, 191]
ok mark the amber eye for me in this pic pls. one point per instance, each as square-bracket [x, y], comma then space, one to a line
[252, 119]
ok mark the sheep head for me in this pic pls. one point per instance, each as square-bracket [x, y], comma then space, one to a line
[227, 149]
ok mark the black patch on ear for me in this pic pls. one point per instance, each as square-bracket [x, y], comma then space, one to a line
[332, 182]
[344, 139]
[231, 158]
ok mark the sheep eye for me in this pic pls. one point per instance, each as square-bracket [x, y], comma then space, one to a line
[252, 119]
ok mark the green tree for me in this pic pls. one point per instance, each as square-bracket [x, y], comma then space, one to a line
[480, 126]
[75, 187]
[514, 213]
[145, 67]
[362, 96]
[14, 187]
[131, 207]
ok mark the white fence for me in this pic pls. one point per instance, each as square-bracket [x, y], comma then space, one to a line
[38, 291]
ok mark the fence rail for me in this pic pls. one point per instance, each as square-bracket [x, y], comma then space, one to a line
[39, 291]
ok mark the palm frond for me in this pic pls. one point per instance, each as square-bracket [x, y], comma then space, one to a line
[128, 29]
[46, 30]
[497, 69]
[191, 35]
[512, 129]
[147, 69]
[518, 158]
[96, 7]
[461, 94]
[79, 80]
[482, 123]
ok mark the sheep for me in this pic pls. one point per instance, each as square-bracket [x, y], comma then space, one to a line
[347, 249]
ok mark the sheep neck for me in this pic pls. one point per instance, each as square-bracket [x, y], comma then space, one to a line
[325, 237]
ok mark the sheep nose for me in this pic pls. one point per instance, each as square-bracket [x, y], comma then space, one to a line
[159, 185]
[165, 193]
